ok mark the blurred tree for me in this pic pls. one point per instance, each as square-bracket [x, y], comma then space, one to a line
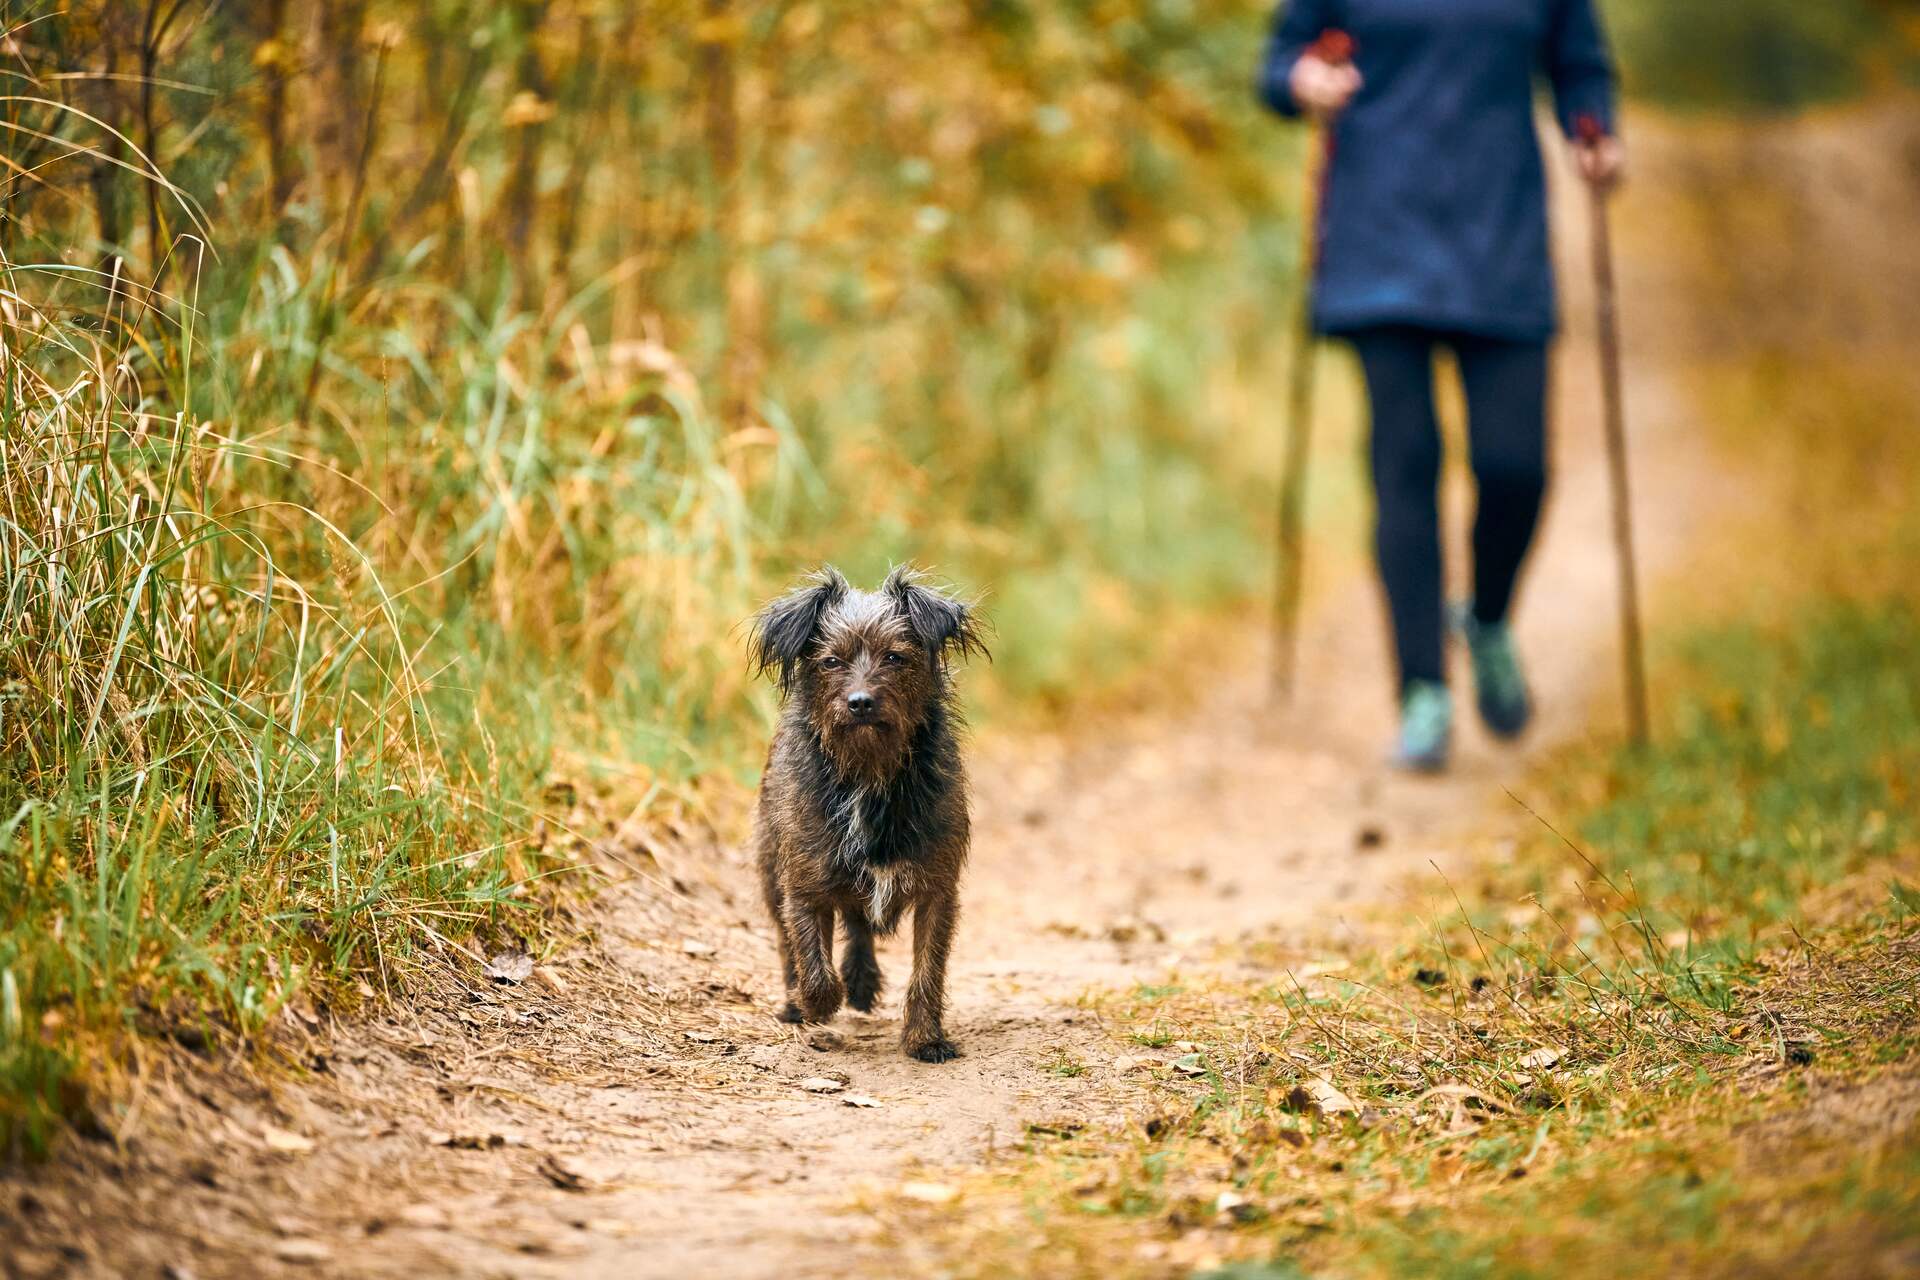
[338, 98]
[526, 116]
[108, 96]
[274, 59]
[157, 24]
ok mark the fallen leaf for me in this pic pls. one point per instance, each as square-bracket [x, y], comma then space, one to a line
[1541, 1059]
[562, 1175]
[695, 947]
[702, 1037]
[302, 1251]
[1064, 1128]
[610, 1226]
[930, 1192]
[1191, 1065]
[1461, 1093]
[281, 1140]
[821, 1084]
[1231, 1204]
[1133, 928]
[1328, 1100]
[860, 1100]
[1317, 968]
[550, 980]
[510, 966]
[468, 1141]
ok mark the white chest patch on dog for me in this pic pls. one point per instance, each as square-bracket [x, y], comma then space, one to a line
[887, 883]
[853, 829]
[884, 885]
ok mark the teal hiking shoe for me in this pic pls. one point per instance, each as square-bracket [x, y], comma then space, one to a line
[1426, 728]
[1498, 685]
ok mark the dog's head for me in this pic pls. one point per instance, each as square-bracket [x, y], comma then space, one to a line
[866, 668]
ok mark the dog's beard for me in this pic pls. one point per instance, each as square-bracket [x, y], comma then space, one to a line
[868, 752]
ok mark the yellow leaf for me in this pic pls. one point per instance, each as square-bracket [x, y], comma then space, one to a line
[281, 1140]
[929, 1192]
[526, 108]
[721, 29]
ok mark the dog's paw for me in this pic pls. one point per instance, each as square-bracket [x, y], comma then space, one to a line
[791, 1013]
[863, 988]
[938, 1049]
[822, 1002]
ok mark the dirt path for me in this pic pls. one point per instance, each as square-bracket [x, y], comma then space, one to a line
[644, 1114]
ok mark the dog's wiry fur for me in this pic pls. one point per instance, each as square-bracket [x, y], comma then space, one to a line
[863, 806]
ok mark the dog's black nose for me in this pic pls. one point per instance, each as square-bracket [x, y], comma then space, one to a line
[860, 703]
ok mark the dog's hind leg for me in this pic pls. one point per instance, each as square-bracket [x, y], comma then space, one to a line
[858, 969]
[810, 941]
[923, 1037]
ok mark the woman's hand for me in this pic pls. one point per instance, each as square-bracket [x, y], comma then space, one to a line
[1602, 160]
[1323, 89]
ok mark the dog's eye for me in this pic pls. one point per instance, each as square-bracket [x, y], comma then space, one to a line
[893, 659]
[831, 663]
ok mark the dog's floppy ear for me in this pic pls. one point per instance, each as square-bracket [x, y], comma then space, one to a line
[941, 622]
[783, 631]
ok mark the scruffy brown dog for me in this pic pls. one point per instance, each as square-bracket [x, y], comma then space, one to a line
[863, 806]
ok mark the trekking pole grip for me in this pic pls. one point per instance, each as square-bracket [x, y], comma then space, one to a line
[1334, 46]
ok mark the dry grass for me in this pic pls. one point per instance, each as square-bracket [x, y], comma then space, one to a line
[219, 777]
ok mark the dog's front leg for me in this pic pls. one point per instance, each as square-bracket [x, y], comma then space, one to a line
[934, 918]
[776, 897]
[810, 940]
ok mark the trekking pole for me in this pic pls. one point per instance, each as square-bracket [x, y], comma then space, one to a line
[1591, 130]
[1335, 47]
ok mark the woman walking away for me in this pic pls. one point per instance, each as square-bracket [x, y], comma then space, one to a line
[1434, 234]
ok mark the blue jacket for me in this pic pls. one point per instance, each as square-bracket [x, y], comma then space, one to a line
[1435, 208]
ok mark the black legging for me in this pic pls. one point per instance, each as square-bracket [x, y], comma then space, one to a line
[1506, 386]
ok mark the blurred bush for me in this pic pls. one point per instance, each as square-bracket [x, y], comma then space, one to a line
[619, 312]
[1771, 55]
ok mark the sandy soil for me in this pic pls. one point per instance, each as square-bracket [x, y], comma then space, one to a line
[635, 1110]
